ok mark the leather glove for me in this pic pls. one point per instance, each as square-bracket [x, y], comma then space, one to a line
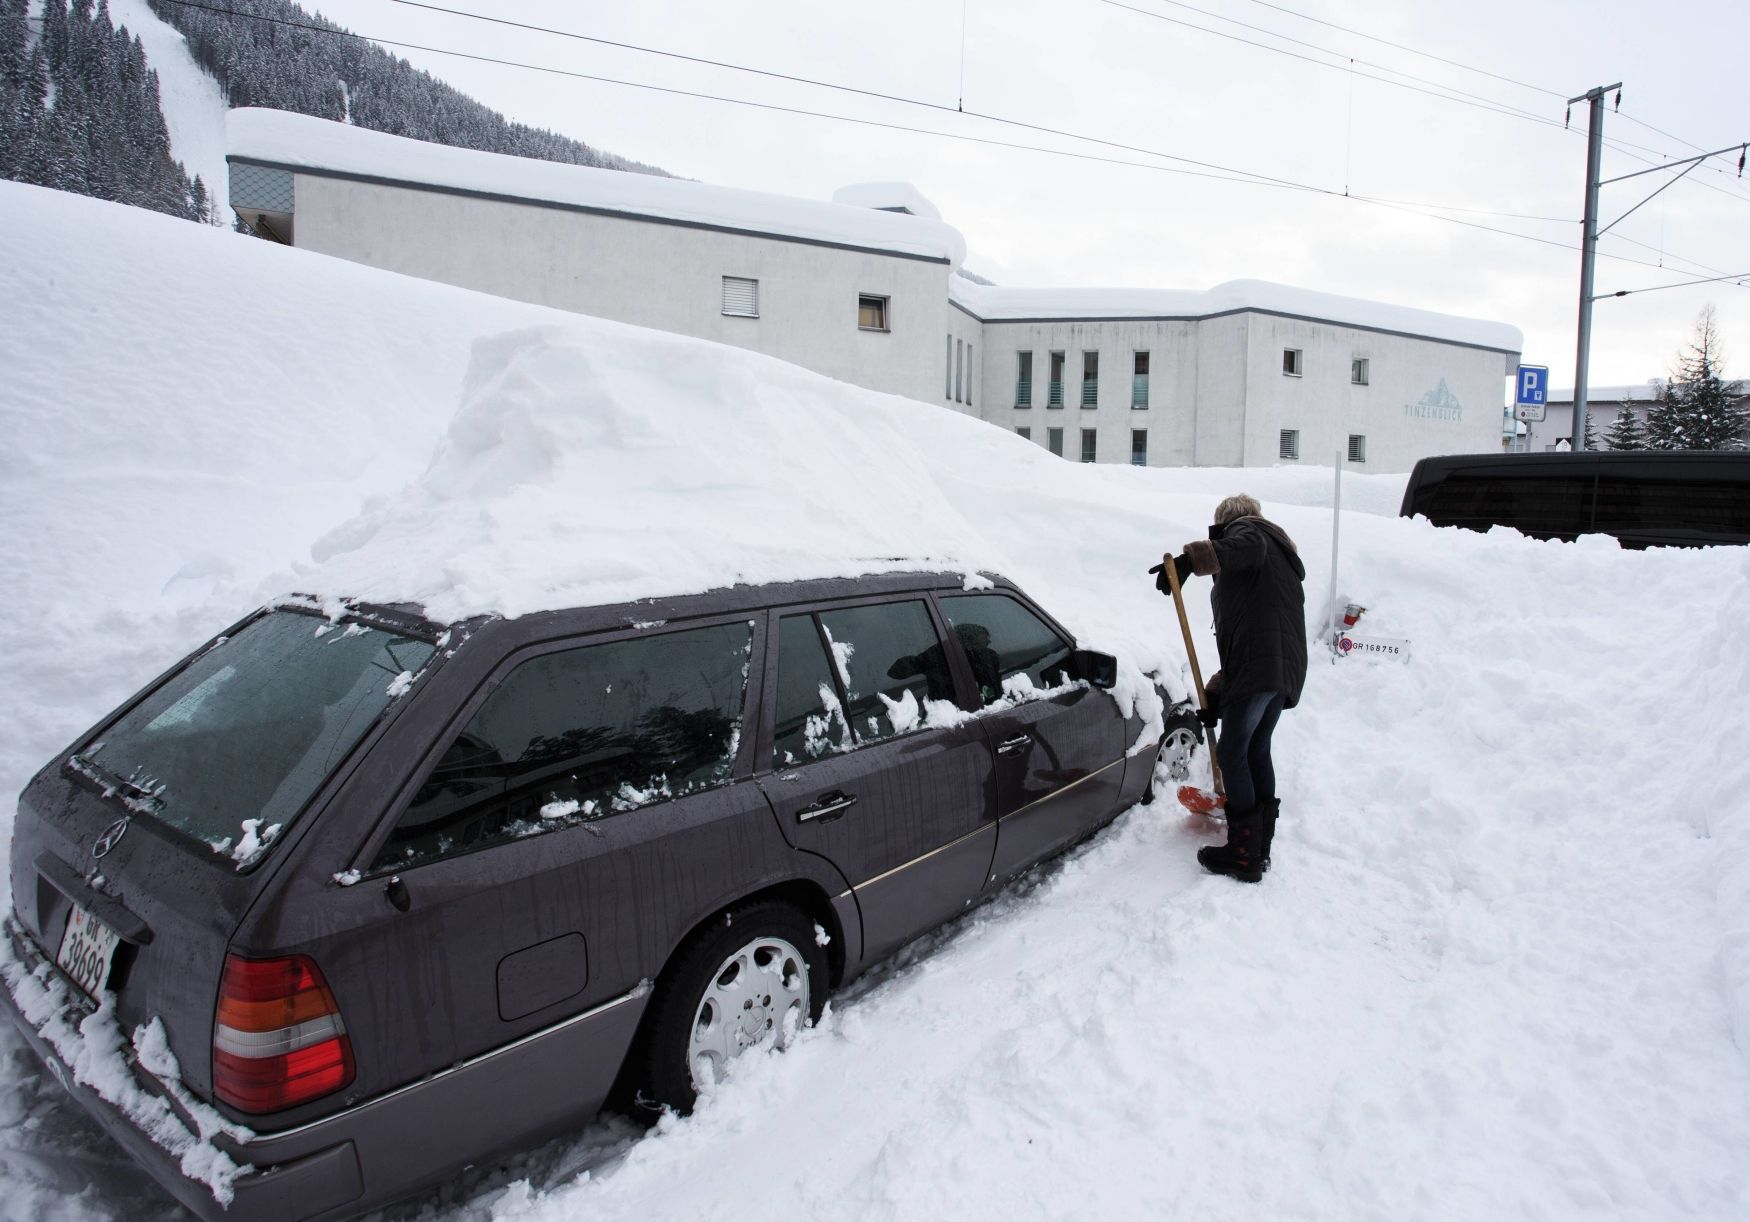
[1181, 565]
[1208, 717]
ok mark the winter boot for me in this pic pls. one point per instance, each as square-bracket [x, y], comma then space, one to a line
[1238, 858]
[1267, 830]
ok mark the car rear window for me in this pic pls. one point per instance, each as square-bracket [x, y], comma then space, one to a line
[231, 747]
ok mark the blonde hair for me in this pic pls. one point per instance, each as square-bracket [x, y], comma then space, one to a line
[1239, 506]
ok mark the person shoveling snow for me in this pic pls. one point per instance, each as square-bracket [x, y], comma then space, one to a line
[1260, 637]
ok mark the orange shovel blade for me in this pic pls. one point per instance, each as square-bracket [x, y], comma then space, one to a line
[1200, 801]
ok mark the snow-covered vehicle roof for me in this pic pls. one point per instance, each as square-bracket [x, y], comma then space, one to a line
[299, 142]
[999, 303]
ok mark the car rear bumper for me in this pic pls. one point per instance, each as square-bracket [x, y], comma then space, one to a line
[375, 1151]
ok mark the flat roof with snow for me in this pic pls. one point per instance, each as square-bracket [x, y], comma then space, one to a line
[998, 303]
[305, 145]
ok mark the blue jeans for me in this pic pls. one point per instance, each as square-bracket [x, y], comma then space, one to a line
[1243, 749]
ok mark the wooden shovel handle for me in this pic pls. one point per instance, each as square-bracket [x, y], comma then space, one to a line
[1196, 671]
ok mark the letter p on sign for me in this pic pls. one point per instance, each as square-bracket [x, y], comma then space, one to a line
[1533, 392]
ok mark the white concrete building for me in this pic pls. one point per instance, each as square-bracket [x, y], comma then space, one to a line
[867, 289]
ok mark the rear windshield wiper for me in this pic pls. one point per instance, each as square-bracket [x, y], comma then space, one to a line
[135, 796]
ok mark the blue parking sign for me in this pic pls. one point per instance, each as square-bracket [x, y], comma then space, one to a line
[1533, 386]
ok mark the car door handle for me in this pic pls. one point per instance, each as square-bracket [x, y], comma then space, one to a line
[833, 804]
[1011, 746]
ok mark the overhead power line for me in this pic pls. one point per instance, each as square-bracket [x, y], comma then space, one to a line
[1460, 64]
[1398, 46]
[1342, 62]
[1209, 170]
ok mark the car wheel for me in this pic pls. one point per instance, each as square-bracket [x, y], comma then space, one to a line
[752, 978]
[1183, 737]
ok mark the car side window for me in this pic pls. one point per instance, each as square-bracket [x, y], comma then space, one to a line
[575, 735]
[1012, 651]
[810, 717]
[891, 663]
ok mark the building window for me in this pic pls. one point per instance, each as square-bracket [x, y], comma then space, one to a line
[1023, 379]
[1090, 379]
[1357, 448]
[959, 368]
[1025, 433]
[1054, 392]
[1289, 446]
[968, 373]
[1054, 438]
[1358, 371]
[1139, 381]
[948, 377]
[871, 313]
[1139, 447]
[1088, 445]
[1291, 362]
[741, 297]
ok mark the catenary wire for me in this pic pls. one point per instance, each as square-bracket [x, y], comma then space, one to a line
[1242, 177]
[554, 31]
[1398, 46]
[1430, 88]
[1510, 80]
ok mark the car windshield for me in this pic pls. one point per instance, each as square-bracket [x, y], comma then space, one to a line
[231, 747]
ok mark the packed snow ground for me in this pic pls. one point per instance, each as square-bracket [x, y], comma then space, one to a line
[1495, 972]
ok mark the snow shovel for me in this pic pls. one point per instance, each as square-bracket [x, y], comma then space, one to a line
[1197, 801]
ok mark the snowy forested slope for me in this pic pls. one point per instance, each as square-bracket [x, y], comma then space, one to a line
[1494, 973]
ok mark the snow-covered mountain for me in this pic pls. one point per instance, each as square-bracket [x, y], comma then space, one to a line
[125, 100]
[1501, 966]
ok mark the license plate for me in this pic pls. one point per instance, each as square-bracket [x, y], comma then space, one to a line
[87, 948]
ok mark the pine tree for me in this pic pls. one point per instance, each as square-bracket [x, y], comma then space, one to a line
[1697, 408]
[1626, 432]
[1590, 439]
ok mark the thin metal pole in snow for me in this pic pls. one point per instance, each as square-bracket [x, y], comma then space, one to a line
[1336, 514]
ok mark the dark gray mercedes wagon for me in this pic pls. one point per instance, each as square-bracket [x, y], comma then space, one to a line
[400, 896]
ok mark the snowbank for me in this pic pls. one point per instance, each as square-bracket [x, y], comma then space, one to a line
[1501, 968]
[281, 138]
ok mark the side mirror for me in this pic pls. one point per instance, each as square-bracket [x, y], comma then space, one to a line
[1098, 669]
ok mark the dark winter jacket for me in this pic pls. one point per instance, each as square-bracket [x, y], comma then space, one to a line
[1260, 609]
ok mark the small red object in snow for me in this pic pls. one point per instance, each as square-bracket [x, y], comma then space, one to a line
[1200, 801]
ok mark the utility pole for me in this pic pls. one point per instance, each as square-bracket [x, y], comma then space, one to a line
[1594, 98]
[1588, 251]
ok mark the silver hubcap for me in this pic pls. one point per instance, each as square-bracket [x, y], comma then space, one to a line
[759, 996]
[1176, 753]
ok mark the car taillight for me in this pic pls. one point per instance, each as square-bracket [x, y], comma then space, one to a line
[277, 1037]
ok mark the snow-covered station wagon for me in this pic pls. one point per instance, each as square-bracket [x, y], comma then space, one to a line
[348, 899]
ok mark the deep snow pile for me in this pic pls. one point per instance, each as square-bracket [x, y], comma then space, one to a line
[1492, 974]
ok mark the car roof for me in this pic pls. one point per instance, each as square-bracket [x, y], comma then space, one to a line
[723, 601]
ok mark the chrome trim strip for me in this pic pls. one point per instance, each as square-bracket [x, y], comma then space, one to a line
[1063, 789]
[977, 831]
[641, 990]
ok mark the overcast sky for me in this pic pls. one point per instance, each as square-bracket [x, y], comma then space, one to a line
[1113, 72]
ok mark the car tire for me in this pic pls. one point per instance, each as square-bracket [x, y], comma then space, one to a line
[1183, 737]
[716, 999]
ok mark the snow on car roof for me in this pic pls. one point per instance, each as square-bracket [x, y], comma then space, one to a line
[320, 145]
[999, 303]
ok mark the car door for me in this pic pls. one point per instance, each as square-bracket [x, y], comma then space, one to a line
[1059, 745]
[862, 770]
[581, 812]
